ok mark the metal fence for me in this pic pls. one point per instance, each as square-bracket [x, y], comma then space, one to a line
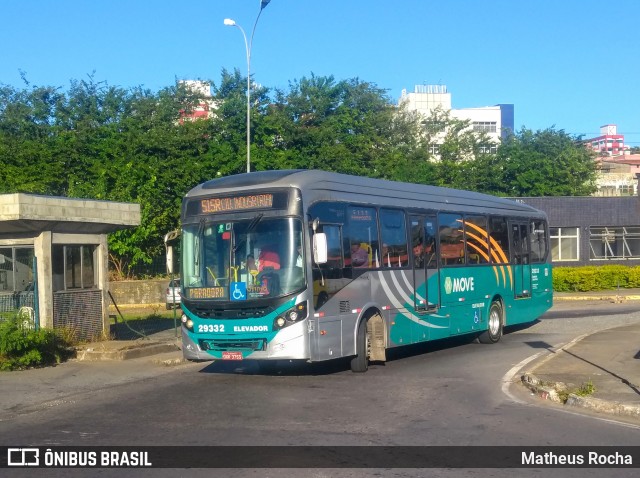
[12, 302]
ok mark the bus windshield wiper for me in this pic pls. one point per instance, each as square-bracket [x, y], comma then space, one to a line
[252, 225]
[254, 222]
[198, 238]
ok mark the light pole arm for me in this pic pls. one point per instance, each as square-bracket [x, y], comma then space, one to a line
[247, 46]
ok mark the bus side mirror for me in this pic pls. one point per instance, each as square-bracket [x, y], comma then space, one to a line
[169, 238]
[320, 248]
[169, 259]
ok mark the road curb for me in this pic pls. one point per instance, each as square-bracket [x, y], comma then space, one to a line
[128, 352]
[551, 391]
[544, 390]
[605, 406]
[609, 298]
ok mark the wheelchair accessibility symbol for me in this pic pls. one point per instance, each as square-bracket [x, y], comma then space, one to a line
[238, 291]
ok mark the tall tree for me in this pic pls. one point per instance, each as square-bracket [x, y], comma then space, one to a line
[348, 126]
[546, 163]
[104, 142]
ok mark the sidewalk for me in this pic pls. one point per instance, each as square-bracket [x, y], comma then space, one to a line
[599, 372]
[99, 366]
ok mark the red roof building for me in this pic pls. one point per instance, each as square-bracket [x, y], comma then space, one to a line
[609, 143]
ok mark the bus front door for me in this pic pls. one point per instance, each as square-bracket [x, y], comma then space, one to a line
[521, 259]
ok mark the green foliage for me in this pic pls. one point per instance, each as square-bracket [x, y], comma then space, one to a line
[586, 389]
[545, 163]
[591, 278]
[98, 141]
[23, 347]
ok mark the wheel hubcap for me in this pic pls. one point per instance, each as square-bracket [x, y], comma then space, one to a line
[494, 322]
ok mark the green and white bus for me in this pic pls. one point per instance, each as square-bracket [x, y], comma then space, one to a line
[314, 266]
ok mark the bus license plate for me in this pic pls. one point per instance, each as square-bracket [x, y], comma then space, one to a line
[231, 355]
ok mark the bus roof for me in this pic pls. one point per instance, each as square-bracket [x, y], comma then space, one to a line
[319, 185]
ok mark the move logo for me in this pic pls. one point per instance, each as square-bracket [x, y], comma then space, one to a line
[459, 284]
[448, 286]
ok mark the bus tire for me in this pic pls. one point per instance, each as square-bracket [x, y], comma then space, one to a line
[360, 363]
[495, 324]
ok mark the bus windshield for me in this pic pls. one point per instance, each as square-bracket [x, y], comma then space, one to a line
[248, 259]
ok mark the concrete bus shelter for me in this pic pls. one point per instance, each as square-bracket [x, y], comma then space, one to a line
[62, 243]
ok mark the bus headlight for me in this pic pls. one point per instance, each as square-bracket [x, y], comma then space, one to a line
[188, 323]
[291, 316]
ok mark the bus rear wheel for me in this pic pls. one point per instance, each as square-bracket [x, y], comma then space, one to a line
[496, 323]
[360, 363]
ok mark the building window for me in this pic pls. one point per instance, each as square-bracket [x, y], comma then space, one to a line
[626, 190]
[73, 267]
[488, 149]
[484, 126]
[608, 243]
[434, 149]
[16, 269]
[565, 243]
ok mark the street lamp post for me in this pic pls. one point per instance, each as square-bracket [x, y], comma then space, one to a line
[247, 46]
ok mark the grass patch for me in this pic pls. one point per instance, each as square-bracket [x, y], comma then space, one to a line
[143, 314]
[585, 390]
[139, 323]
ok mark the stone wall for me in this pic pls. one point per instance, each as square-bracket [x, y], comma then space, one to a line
[132, 292]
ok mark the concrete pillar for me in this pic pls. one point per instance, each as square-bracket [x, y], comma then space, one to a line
[42, 250]
[102, 266]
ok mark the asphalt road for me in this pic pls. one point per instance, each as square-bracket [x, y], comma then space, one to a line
[446, 393]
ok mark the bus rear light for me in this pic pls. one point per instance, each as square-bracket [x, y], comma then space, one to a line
[385, 307]
[323, 332]
[319, 314]
[356, 311]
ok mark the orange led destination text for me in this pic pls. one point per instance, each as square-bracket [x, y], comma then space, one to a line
[236, 203]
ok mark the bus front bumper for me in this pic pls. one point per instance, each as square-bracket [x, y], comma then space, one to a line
[290, 343]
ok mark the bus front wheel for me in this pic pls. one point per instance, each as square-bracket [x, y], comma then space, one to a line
[360, 363]
[496, 323]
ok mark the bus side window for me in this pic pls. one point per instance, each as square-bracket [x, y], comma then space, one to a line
[499, 240]
[334, 247]
[430, 233]
[362, 240]
[393, 228]
[475, 228]
[538, 240]
[417, 243]
[451, 239]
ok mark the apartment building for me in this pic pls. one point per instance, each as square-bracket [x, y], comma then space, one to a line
[496, 121]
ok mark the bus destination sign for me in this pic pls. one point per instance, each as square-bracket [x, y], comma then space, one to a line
[236, 203]
[207, 293]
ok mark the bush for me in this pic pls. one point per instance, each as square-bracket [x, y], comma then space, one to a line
[590, 278]
[21, 346]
